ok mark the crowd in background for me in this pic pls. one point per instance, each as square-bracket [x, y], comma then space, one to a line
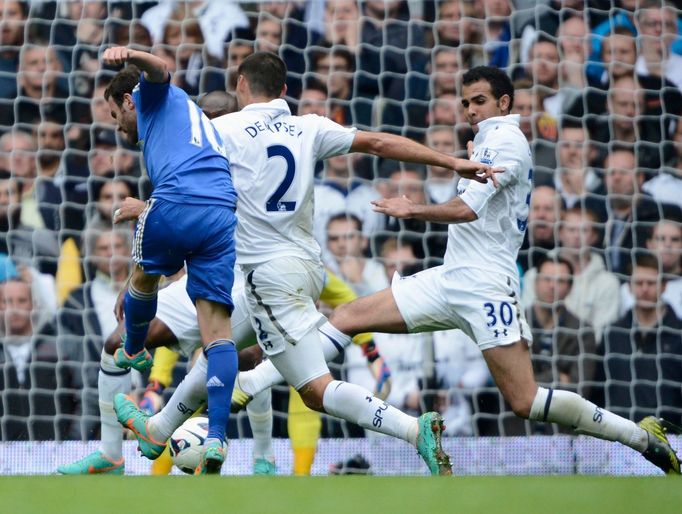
[598, 93]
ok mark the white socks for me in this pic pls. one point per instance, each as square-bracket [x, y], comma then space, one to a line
[259, 411]
[187, 398]
[265, 375]
[354, 403]
[111, 381]
[570, 409]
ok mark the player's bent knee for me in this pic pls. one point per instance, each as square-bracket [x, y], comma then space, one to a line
[112, 343]
[312, 393]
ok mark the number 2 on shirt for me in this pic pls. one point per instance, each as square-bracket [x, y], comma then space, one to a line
[274, 203]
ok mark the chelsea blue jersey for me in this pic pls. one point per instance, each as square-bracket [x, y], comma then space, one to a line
[183, 153]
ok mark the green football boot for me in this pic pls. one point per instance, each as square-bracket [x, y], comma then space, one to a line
[212, 459]
[264, 467]
[94, 464]
[131, 417]
[659, 452]
[141, 361]
[429, 444]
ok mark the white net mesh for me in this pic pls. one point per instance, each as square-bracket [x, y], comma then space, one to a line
[597, 86]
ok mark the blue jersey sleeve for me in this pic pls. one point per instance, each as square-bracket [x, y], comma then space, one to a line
[149, 95]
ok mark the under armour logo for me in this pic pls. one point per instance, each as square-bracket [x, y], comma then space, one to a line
[267, 345]
[498, 332]
[369, 399]
[214, 382]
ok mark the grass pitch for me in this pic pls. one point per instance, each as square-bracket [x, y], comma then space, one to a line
[348, 495]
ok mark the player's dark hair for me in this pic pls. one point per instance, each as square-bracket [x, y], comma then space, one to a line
[216, 103]
[123, 82]
[265, 72]
[500, 83]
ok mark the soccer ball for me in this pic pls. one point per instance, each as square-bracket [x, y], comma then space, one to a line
[187, 444]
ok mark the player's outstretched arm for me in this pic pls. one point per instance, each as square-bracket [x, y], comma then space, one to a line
[454, 211]
[154, 68]
[400, 148]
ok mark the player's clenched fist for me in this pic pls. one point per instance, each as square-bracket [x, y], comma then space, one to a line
[117, 55]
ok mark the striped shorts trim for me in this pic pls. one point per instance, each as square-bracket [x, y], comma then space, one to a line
[139, 232]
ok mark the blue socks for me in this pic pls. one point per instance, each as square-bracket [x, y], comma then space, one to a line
[220, 377]
[139, 309]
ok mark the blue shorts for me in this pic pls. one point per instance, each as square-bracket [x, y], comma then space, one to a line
[168, 235]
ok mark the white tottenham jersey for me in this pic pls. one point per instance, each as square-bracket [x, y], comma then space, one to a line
[272, 158]
[492, 242]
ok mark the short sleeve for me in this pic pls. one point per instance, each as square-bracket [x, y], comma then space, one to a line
[149, 95]
[477, 195]
[331, 138]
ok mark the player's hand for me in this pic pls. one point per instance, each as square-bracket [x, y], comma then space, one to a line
[476, 171]
[152, 401]
[400, 207]
[117, 56]
[130, 209]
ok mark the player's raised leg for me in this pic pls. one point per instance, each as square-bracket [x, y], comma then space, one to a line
[511, 368]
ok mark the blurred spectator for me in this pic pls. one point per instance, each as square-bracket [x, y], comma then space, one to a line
[268, 34]
[574, 179]
[106, 198]
[18, 154]
[643, 351]
[575, 50]
[539, 128]
[130, 33]
[26, 246]
[441, 183]
[631, 214]
[666, 243]
[408, 180]
[448, 25]
[657, 27]
[86, 319]
[497, 32]
[444, 68]
[594, 294]
[334, 67]
[345, 255]
[563, 347]
[13, 15]
[666, 186]
[313, 99]
[28, 356]
[391, 41]
[184, 40]
[623, 122]
[398, 257]
[403, 353]
[78, 22]
[40, 95]
[543, 70]
[459, 371]
[217, 19]
[342, 23]
[546, 209]
[238, 50]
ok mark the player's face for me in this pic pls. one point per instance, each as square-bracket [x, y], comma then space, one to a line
[126, 118]
[480, 104]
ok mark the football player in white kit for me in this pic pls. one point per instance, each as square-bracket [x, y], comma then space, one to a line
[477, 287]
[273, 155]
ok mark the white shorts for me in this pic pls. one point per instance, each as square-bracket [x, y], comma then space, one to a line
[281, 296]
[485, 306]
[179, 314]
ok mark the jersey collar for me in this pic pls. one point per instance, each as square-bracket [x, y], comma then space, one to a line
[509, 119]
[274, 108]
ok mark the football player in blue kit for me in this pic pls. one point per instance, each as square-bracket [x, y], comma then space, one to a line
[189, 220]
